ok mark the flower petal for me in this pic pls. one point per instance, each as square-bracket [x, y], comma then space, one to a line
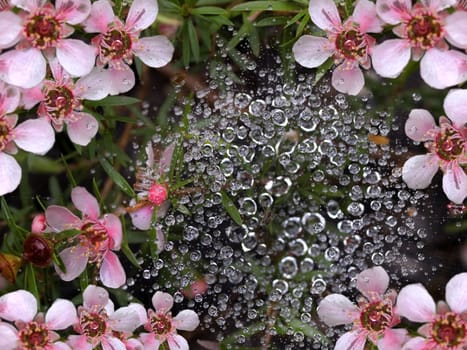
[177, 342]
[166, 158]
[417, 343]
[373, 282]
[59, 345]
[186, 320]
[93, 86]
[76, 13]
[390, 57]
[100, 17]
[20, 305]
[418, 171]
[354, 340]
[61, 219]
[10, 97]
[112, 343]
[79, 342]
[120, 80]
[142, 217]
[324, 14]
[456, 295]
[85, 202]
[336, 309]
[364, 14]
[456, 29]
[112, 273]
[61, 315]
[393, 11]
[154, 51]
[455, 183]
[442, 69]
[8, 337]
[140, 311]
[35, 136]
[142, 14]
[95, 296]
[392, 339]
[23, 68]
[76, 57]
[10, 174]
[162, 302]
[312, 51]
[419, 122]
[82, 130]
[114, 229]
[149, 341]
[10, 27]
[75, 260]
[348, 80]
[415, 304]
[455, 106]
[124, 319]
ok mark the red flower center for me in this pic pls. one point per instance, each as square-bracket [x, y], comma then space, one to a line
[424, 30]
[376, 316]
[42, 29]
[115, 45]
[157, 194]
[449, 144]
[449, 330]
[59, 103]
[93, 324]
[351, 44]
[160, 324]
[4, 134]
[34, 336]
[93, 236]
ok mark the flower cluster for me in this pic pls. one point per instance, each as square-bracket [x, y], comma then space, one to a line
[378, 311]
[426, 31]
[94, 324]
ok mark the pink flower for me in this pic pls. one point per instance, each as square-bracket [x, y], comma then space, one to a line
[99, 237]
[373, 318]
[445, 329]
[163, 327]
[45, 28]
[33, 135]
[423, 28]
[38, 224]
[33, 331]
[349, 42]
[118, 42]
[100, 324]
[447, 145]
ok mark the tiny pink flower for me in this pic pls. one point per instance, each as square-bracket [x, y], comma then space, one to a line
[38, 224]
[445, 328]
[163, 327]
[423, 28]
[33, 331]
[347, 42]
[447, 145]
[373, 318]
[33, 135]
[98, 323]
[99, 237]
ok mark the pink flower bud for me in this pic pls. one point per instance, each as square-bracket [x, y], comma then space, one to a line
[38, 224]
[157, 194]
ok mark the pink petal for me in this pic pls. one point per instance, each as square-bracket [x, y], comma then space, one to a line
[149, 341]
[140, 311]
[419, 122]
[134, 344]
[142, 217]
[112, 343]
[177, 342]
[31, 97]
[166, 159]
[438, 5]
[455, 106]
[60, 346]
[8, 337]
[85, 202]
[392, 339]
[11, 28]
[79, 342]
[101, 16]
[75, 260]
[120, 80]
[162, 302]
[61, 315]
[312, 51]
[186, 320]
[76, 57]
[124, 319]
[35, 136]
[337, 309]
[95, 297]
[23, 68]
[456, 29]
[93, 86]
[10, 174]
[348, 80]
[393, 11]
[9, 99]
[18, 306]
[417, 343]
[442, 69]
[365, 15]
[61, 219]
[455, 183]
[28, 5]
[112, 273]
[373, 282]
[142, 14]
[418, 171]
[354, 340]
[154, 51]
[415, 304]
[390, 57]
[324, 14]
[114, 229]
[456, 295]
[76, 13]
[82, 130]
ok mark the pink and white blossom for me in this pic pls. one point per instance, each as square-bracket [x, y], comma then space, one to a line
[447, 144]
[348, 42]
[163, 327]
[99, 324]
[118, 42]
[33, 135]
[445, 326]
[33, 331]
[99, 237]
[43, 28]
[373, 317]
[423, 30]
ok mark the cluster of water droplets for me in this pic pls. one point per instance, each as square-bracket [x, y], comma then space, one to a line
[318, 194]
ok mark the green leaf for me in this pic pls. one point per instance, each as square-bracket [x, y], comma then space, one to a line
[130, 255]
[8, 215]
[114, 101]
[118, 179]
[186, 54]
[302, 25]
[30, 282]
[194, 43]
[231, 208]
[285, 6]
[212, 2]
[308, 330]
[322, 70]
[59, 262]
[253, 40]
[272, 21]
[209, 10]
[183, 209]
[43, 165]
[117, 7]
